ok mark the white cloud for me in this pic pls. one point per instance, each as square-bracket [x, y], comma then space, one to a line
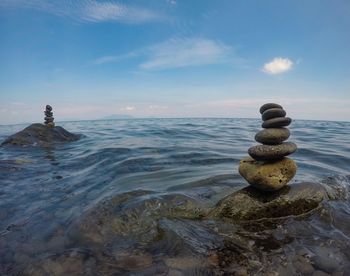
[88, 10]
[182, 52]
[278, 65]
[175, 53]
[128, 108]
[111, 59]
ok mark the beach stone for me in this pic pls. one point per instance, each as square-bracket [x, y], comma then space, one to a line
[273, 113]
[48, 107]
[272, 152]
[272, 136]
[267, 176]
[277, 122]
[50, 124]
[49, 119]
[41, 135]
[252, 204]
[267, 106]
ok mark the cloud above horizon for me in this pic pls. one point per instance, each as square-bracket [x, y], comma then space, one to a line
[176, 53]
[89, 10]
[182, 52]
[277, 66]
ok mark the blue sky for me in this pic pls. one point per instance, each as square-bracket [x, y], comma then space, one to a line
[173, 58]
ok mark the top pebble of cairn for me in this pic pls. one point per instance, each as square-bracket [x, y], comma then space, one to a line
[48, 116]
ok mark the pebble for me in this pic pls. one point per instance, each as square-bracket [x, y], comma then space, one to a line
[272, 136]
[273, 113]
[272, 152]
[277, 122]
[268, 106]
[267, 176]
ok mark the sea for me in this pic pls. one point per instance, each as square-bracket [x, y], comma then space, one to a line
[127, 199]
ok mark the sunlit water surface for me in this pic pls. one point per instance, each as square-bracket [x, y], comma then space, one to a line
[46, 192]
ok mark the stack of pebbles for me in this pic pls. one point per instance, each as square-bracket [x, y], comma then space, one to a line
[48, 117]
[268, 168]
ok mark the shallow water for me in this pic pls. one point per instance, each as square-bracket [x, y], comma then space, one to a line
[154, 172]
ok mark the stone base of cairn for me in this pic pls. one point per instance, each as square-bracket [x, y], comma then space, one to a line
[268, 168]
[48, 117]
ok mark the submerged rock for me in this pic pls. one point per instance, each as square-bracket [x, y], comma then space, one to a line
[39, 134]
[267, 176]
[252, 204]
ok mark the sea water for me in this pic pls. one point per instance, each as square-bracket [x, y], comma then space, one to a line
[138, 166]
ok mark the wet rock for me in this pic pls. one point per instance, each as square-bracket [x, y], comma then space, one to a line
[129, 261]
[267, 176]
[273, 113]
[134, 214]
[272, 152]
[269, 106]
[320, 273]
[252, 204]
[41, 135]
[272, 136]
[276, 122]
[327, 259]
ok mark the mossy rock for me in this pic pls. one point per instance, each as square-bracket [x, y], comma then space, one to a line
[252, 204]
[41, 135]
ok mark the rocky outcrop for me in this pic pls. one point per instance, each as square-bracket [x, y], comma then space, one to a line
[41, 135]
[253, 204]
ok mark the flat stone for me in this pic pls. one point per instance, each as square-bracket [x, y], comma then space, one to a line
[272, 136]
[268, 106]
[267, 176]
[252, 204]
[273, 113]
[49, 119]
[272, 152]
[40, 135]
[277, 122]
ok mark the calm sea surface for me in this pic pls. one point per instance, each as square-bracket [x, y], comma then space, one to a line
[51, 198]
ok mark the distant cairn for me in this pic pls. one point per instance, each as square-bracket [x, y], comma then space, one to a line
[48, 117]
[268, 168]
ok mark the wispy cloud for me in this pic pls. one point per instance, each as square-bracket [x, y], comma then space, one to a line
[182, 52]
[111, 59]
[89, 10]
[176, 53]
[278, 65]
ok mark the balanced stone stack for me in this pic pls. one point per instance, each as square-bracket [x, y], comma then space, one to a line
[268, 168]
[48, 117]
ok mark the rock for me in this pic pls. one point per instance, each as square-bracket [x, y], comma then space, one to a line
[277, 122]
[50, 124]
[252, 204]
[272, 152]
[48, 107]
[267, 176]
[272, 136]
[49, 119]
[268, 106]
[273, 113]
[41, 135]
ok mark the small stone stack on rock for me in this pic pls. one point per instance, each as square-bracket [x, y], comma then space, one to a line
[268, 169]
[48, 117]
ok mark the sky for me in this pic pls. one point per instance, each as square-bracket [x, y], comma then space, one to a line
[173, 58]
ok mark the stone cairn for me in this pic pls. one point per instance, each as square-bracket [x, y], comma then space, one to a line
[48, 117]
[268, 168]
